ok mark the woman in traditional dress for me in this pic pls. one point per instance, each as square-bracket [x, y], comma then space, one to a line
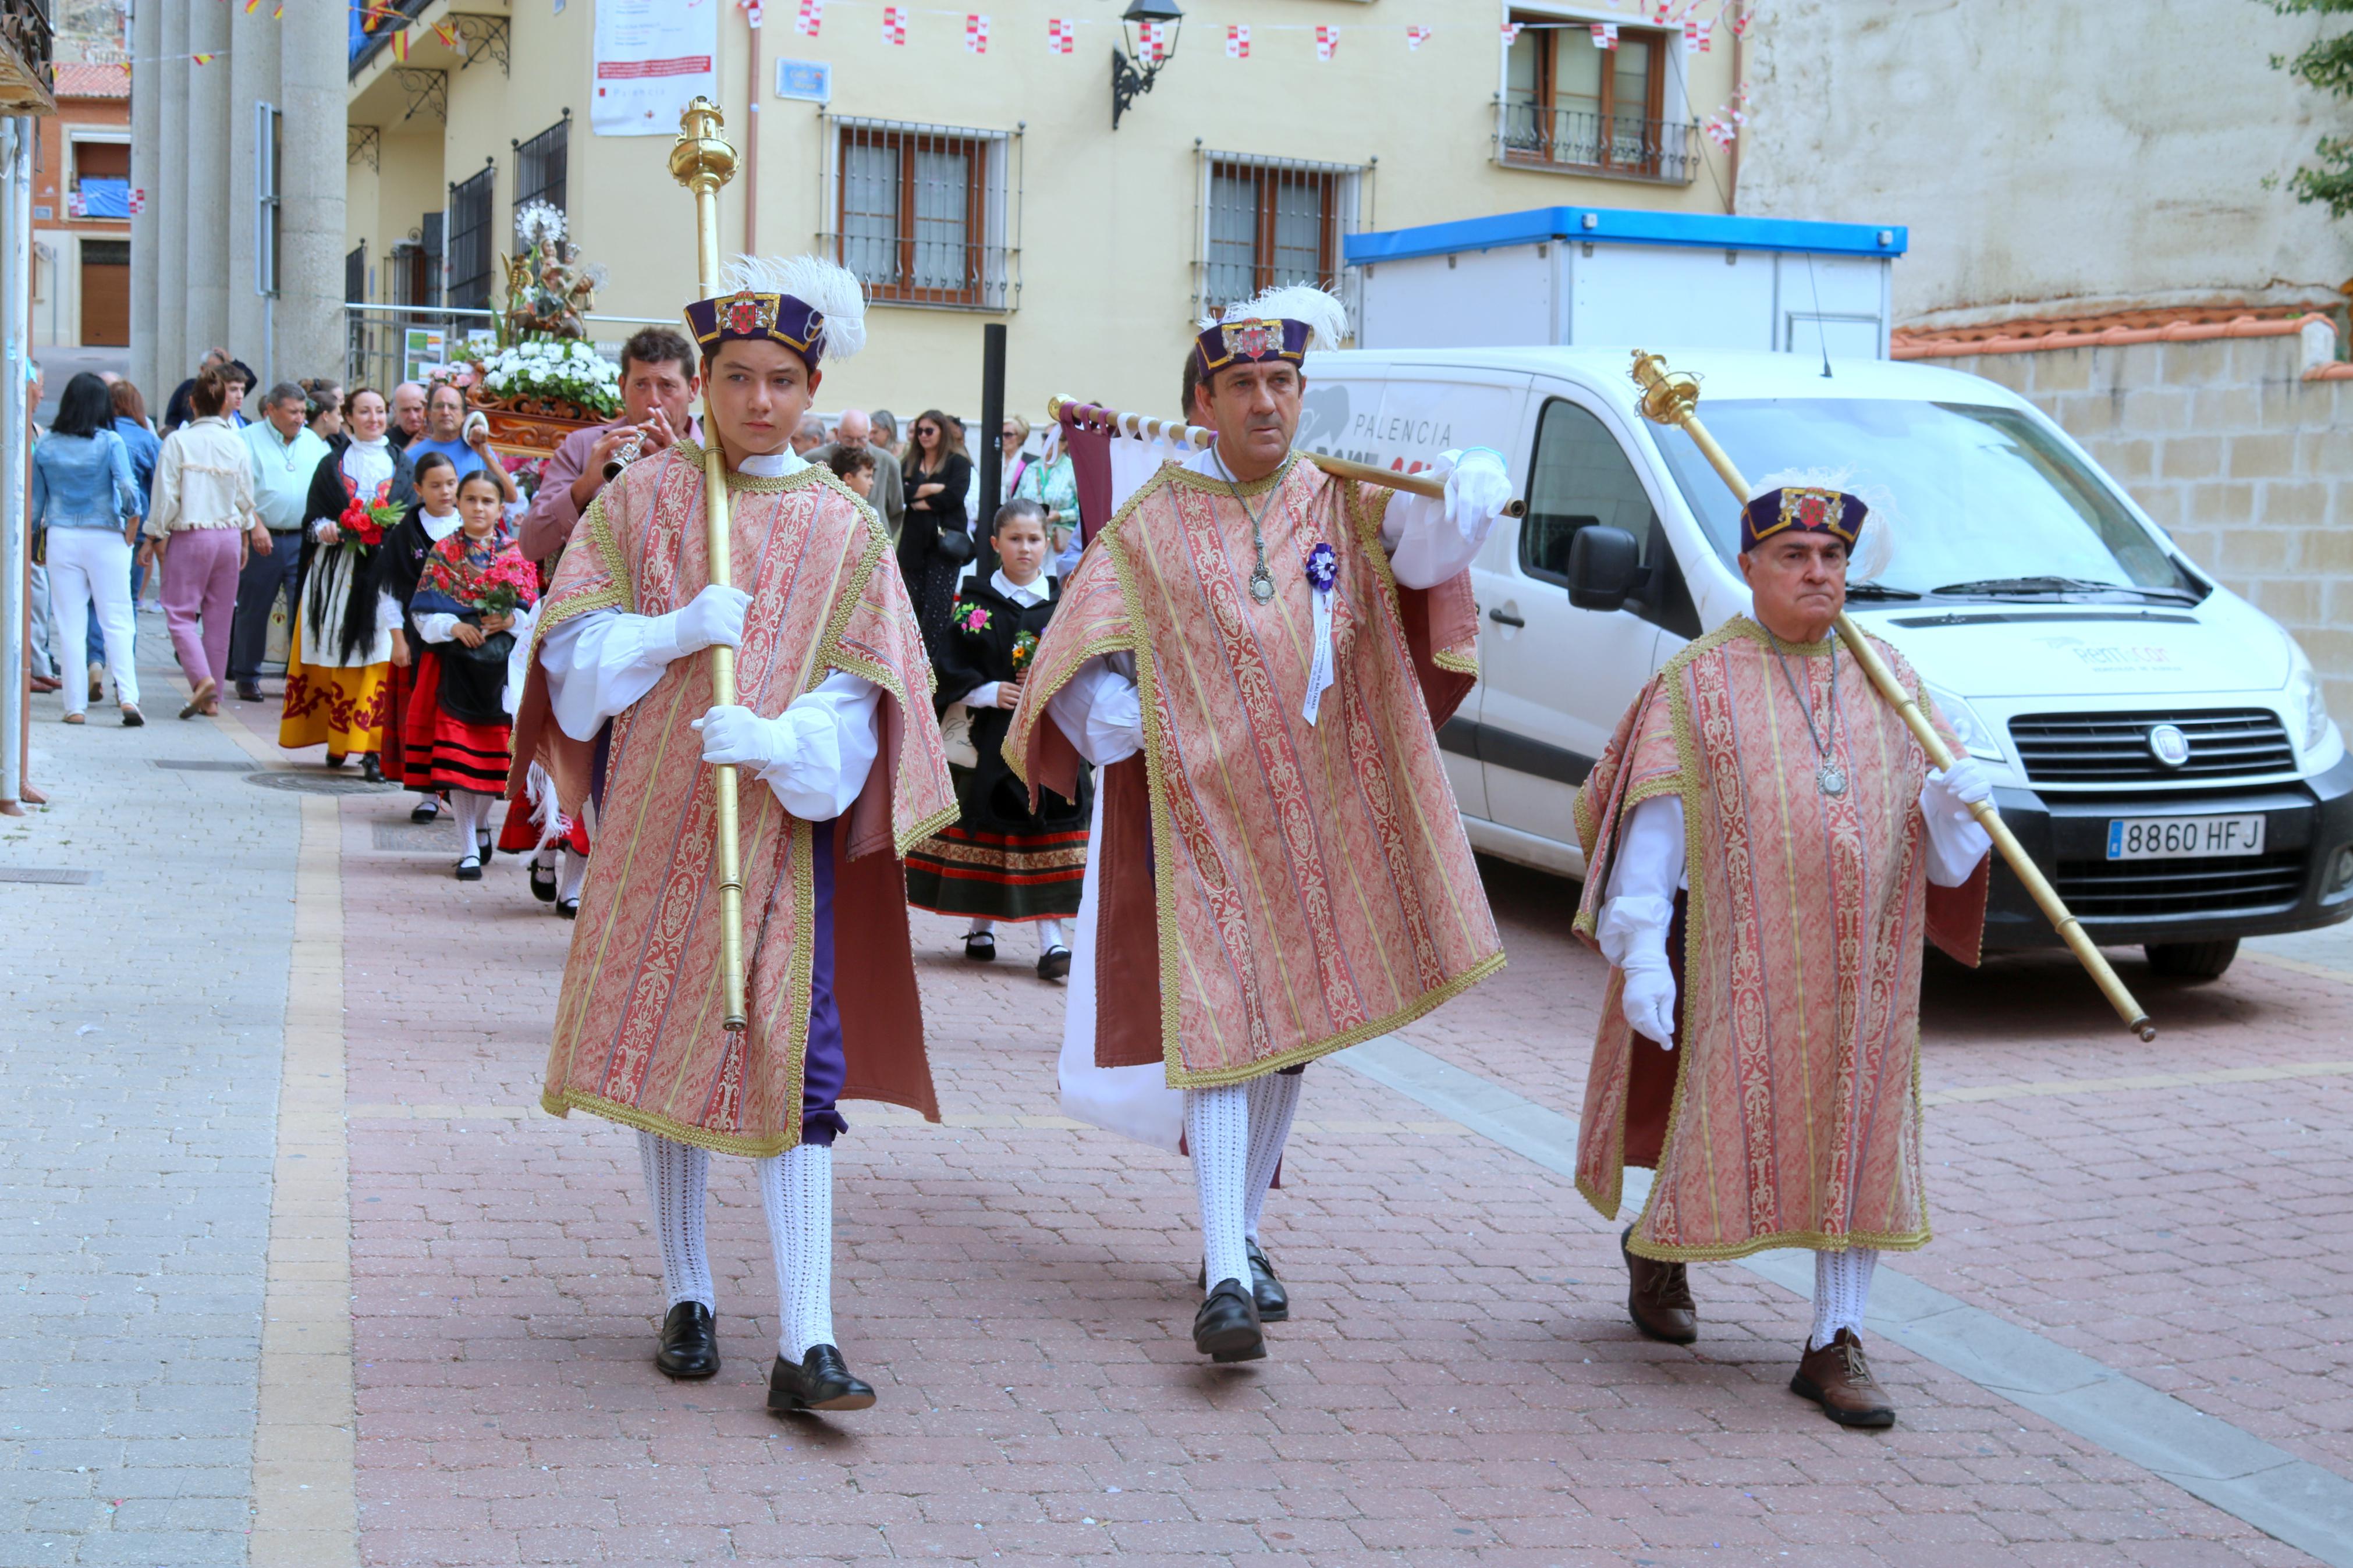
[339, 664]
[1002, 861]
[472, 611]
[398, 560]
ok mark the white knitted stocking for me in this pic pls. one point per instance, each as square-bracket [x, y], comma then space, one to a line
[1217, 1130]
[677, 1176]
[1273, 1100]
[796, 1190]
[1841, 1291]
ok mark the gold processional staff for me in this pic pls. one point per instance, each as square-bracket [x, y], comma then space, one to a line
[1179, 434]
[1668, 399]
[702, 162]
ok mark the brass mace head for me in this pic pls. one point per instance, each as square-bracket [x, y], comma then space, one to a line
[701, 161]
[1667, 395]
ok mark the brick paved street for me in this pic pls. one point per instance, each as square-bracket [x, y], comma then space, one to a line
[1459, 1383]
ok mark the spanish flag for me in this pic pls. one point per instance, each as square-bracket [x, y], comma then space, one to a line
[400, 45]
[202, 59]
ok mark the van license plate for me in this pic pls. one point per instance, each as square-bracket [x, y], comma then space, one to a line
[2183, 837]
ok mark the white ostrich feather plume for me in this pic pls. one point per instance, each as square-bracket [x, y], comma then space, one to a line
[813, 280]
[1326, 318]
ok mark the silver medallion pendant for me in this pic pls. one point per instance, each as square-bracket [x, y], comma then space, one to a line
[1832, 777]
[1261, 584]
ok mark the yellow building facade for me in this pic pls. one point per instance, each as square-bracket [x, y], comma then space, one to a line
[967, 186]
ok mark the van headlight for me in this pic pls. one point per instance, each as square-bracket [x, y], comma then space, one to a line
[2308, 708]
[1978, 736]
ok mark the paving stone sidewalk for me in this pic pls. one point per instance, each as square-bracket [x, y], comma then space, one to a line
[144, 1014]
[1458, 1384]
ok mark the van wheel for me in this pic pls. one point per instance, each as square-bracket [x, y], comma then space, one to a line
[2191, 960]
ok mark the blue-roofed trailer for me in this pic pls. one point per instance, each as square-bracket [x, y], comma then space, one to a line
[1590, 276]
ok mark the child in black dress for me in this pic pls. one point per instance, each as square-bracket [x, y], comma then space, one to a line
[1001, 861]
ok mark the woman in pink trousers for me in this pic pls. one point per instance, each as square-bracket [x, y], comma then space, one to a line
[204, 504]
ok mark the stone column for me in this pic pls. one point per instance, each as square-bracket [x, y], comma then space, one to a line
[203, 197]
[252, 81]
[168, 219]
[146, 173]
[314, 74]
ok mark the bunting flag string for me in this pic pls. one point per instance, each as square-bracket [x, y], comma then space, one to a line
[809, 18]
[1061, 34]
[976, 33]
[1158, 41]
[754, 13]
[1605, 35]
[1414, 37]
[1328, 42]
[894, 24]
[1237, 40]
[1512, 33]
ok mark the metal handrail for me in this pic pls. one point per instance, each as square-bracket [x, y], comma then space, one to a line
[1622, 146]
[375, 351]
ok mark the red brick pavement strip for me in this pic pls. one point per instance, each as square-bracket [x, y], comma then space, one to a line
[1458, 1386]
[2199, 1239]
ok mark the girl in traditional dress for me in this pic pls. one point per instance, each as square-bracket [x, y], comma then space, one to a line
[1002, 861]
[398, 560]
[339, 667]
[472, 610]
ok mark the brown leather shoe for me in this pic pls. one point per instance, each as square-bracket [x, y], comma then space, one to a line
[1658, 1298]
[1838, 1378]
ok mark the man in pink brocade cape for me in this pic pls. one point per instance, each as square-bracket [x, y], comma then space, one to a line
[1281, 868]
[1815, 850]
[840, 769]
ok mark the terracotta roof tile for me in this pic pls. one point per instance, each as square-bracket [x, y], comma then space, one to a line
[2186, 324]
[77, 78]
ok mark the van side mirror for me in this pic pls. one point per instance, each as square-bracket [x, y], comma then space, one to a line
[1605, 565]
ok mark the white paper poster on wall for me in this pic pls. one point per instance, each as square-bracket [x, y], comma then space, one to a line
[652, 56]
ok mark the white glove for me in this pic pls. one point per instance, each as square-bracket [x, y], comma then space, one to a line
[1958, 788]
[737, 736]
[713, 617]
[1478, 486]
[1649, 1002]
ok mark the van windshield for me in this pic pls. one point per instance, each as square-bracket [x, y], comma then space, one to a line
[1981, 502]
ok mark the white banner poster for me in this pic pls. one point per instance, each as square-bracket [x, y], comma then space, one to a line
[652, 56]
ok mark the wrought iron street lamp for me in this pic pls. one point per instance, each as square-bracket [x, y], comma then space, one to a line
[1133, 72]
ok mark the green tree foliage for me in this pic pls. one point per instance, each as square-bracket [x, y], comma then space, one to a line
[2327, 64]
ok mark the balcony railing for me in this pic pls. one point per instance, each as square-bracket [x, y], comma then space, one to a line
[386, 344]
[1616, 146]
[27, 85]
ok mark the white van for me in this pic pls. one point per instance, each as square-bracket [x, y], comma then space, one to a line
[2156, 744]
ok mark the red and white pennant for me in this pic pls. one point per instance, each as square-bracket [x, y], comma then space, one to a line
[1158, 40]
[1511, 34]
[1416, 37]
[809, 18]
[1605, 35]
[976, 32]
[1060, 34]
[1237, 40]
[894, 24]
[1328, 42]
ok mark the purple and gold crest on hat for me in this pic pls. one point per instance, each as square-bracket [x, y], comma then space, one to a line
[1249, 342]
[767, 318]
[1804, 508]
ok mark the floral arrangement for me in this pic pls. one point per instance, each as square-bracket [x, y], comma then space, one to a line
[505, 584]
[549, 288]
[364, 524]
[570, 370]
[1025, 648]
[970, 618]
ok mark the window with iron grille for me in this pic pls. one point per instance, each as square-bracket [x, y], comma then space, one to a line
[1271, 221]
[355, 273]
[469, 241]
[540, 166]
[1569, 103]
[926, 214]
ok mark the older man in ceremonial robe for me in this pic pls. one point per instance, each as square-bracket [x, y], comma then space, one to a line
[1256, 653]
[833, 727]
[1765, 841]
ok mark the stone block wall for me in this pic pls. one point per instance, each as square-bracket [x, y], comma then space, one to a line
[2247, 463]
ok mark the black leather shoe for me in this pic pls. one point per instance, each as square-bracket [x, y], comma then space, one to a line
[1054, 963]
[371, 769]
[980, 946]
[689, 1341]
[335, 762]
[425, 810]
[542, 882]
[821, 1382]
[1267, 1294]
[1225, 1328]
[249, 691]
[569, 909]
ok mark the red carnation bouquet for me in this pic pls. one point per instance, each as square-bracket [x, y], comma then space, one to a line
[365, 522]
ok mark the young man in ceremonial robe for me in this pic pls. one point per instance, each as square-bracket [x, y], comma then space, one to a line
[1766, 848]
[842, 770]
[1256, 654]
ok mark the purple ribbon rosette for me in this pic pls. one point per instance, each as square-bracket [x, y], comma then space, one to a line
[1322, 573]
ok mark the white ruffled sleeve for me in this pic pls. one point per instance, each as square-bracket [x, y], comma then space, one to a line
[833, 743]
[1645, 872]
[437, 628]
[597, 665]
[1101, 711]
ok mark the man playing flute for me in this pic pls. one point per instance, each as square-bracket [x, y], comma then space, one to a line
[1765, 848]
[1256, 653]
[833, 730]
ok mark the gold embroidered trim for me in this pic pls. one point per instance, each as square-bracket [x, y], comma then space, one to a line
[755, 483]
[571, 1100]
[1218, 486]
[1811, 1240]
[621, 594]
[800, 981]
[1428, 1001]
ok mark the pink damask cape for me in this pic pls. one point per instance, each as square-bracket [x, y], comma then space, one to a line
[1270, 890]
[1789, 1115]
[638, 1037]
